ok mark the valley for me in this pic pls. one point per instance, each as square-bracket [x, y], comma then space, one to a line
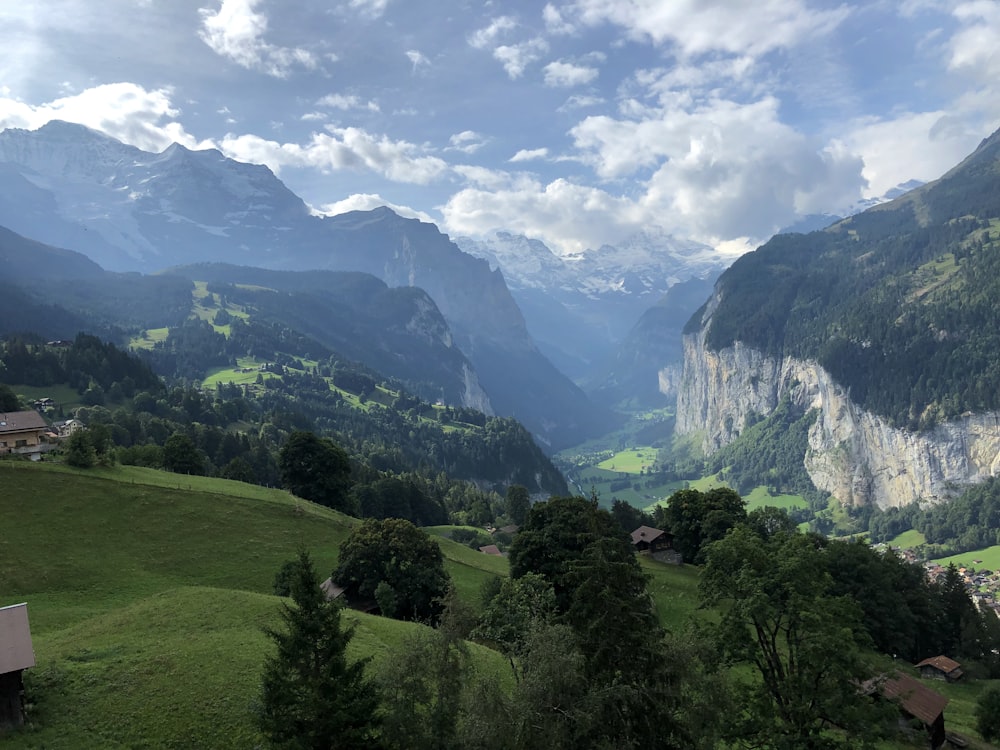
[778, 416]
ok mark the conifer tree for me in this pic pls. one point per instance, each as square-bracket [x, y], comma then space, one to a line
[312, 698]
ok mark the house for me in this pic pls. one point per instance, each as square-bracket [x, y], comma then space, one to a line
[491, 549]
[940, 668]
[21, 432]
[16, 655]
[917, 701]
[659, 544]
[68, 427]
[331, 590]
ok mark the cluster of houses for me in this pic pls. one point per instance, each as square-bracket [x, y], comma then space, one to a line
[983, 585]
[27, 433]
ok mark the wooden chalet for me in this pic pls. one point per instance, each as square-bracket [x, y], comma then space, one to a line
[646, 538]
[940, 668]
[21, 432]
[491, 549]
[16, 655]
[917, 701]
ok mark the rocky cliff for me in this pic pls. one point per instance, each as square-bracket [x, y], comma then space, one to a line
[858, 457]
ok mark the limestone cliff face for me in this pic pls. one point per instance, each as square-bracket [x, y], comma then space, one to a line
[854, 455]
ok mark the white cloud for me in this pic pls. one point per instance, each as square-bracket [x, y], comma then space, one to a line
[567, 75]
[236, 31]
[581, 102]
[342, 101]
[554, 21]
[367, 202]
[467, 142]
[485, 37]
[417, 58]
[340, 149]
[125, 111]
[697, 27]
[976, 47]
[566, 216]
[370, 8]
[529, 154]
[515, 58]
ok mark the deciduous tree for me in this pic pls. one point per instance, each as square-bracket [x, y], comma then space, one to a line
[316, 469]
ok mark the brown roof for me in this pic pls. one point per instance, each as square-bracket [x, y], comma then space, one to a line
[915, 698]
[943, 663]
[646, 534]
[16, 652]
[490, 549]
[16, 421]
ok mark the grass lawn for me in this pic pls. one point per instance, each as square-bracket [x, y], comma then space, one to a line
[632, 461]
[760, 498]
[908, 539]
[147, 593]
[148, 338]
[63, 395]
[989, 559]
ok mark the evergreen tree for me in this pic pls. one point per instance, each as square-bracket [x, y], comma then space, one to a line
[312, 698]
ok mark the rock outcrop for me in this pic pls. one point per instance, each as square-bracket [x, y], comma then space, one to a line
[856, 456]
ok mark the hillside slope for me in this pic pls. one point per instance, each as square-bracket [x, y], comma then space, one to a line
[147, 593]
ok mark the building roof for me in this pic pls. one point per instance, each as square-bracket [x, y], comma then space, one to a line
[491, 549]
[18, 421]
[915, 698]
[16, 652]
[646, 534]
[331, 590]
[943, 663]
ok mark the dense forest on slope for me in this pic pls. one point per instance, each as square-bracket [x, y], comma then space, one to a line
[898, 303]
[236, 431]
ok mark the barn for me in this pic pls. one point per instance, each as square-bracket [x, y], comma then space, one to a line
[16, 655]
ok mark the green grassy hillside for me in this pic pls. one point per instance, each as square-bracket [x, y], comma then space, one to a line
[147, 593]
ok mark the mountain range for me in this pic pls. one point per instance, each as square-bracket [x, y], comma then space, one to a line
[130, 210]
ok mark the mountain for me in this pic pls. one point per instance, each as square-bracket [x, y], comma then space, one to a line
[130, 210]
[580, 306]
[887, 324]
[647, 367]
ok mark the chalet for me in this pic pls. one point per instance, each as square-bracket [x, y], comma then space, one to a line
[67, 427]
[916, 701]
[491, 549]
[658, 544]
[940, 668]
[21, 432]
[331, 590]
[16, 655]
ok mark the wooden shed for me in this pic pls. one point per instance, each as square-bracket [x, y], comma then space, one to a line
[919, 702]
[16, 655]
[940, 668]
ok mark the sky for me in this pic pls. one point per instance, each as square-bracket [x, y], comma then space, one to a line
[577, 122]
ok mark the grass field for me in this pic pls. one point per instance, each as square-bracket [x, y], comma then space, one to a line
[147, 592]
[908, 539]
[980, 559]
[760, 497]
[632, 461]
[63, 395]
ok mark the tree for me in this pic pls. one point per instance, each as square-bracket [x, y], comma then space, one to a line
[80, 450]
[397, 565]
[181, 456]
[803, 644]
[519, 607]
[8, 399]
[697, 518]
[316, 469]
[555, 534]
[312, 698]
[988, 714]
[518, 503]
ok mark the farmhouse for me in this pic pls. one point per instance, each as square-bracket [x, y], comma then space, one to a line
[21, 432]
[940, 668]
[491, 549]
[16, 655]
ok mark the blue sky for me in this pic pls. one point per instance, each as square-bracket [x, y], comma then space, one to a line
[576, 122]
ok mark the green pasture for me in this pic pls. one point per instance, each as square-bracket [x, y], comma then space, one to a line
[988, 559]
[632, 461]
[63, 395]
[908, 539]
[148, 338]
[761, 497]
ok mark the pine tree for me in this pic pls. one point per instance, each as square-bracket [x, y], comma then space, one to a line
[312, 697]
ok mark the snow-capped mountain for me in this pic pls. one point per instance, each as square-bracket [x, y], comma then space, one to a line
[580, 306]
[69, 186]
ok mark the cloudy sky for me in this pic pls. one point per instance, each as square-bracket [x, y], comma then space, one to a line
[576, 122]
